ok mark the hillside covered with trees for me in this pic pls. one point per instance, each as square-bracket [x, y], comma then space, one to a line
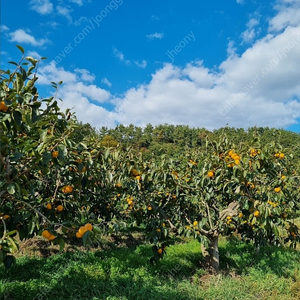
[170, 139]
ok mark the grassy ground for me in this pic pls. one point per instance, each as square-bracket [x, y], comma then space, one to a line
[124, 273]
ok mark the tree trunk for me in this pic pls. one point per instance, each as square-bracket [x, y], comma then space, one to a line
[211, 254]
[214, 254]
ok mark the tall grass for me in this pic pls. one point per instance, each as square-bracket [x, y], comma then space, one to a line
[125, 273]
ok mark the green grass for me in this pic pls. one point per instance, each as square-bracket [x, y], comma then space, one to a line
[126, 274]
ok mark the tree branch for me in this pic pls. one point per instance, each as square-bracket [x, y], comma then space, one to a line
[44, 217]
[4, 229]
[231, 210]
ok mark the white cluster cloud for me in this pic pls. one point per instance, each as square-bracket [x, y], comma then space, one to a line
[81, 20]
[51, 24]
[250, 33]
[91, 91]
[121, 57]
[43, 7]
[79, 81]
[46, 7]
[142, 64]
[64, 11]
[78, 93]
[288, 15]
[260, 87]
[22, 37]
[79, 2]
[155, 35]
[4, 28]
[85, 75]
[106, 82]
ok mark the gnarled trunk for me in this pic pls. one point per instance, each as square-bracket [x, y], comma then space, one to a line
[211, 254]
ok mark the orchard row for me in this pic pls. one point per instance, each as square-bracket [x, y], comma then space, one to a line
[57, 186]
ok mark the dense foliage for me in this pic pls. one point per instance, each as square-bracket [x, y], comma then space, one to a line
[166, 138]
[61, 179]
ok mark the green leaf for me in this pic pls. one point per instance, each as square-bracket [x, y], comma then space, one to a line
[180, 230]
[13, 63]
[165, 232]
[27, 97]
[30, 69]
[276, 231]
[85, 237]
[43, 135]
[24, 74]
[31, 226]
[11, 188]
[40, 148]
[203, 222]
[46, 158]
[28, 119]
[61, 243]
[18, 118]
[62, 149]
[96, 229]
[13, 247]
[32, 60]
[19, 82]
[83, 145]
[110, 176]
[20, 48]
[30, 83]
[11, 232]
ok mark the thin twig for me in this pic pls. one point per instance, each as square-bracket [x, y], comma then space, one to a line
[4, 229]
[56, 188]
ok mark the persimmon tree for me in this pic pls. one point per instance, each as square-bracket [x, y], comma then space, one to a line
[249, 189]
[45, 173]
[32, 142]
[59, 183]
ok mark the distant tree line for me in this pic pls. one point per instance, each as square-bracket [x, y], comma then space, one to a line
[169, 139]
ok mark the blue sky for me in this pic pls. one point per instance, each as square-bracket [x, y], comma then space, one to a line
[198, 63]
